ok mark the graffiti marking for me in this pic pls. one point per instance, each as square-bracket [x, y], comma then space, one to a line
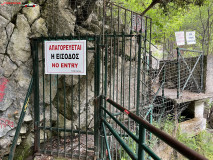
[3, 83]
[5, 122]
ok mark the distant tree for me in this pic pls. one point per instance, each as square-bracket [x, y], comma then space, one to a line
[200, 19]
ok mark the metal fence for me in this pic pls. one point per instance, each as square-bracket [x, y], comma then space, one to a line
[139, 147]
[63, 109]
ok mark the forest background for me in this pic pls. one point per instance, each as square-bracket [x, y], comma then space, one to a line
[174, 15]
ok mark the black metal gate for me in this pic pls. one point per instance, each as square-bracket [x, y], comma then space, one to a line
[63, 105]
[66, 121]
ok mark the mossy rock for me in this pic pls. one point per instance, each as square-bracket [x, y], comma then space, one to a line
[24, 150]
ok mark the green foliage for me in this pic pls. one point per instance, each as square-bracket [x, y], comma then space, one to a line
[162, 23]
[202, 143]
[178, 15]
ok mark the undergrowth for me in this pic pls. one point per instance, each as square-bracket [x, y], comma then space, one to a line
[201, 143]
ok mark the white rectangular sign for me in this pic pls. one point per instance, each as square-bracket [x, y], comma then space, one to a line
[65, 57]
[180, 38]
[137, 23]
[190, 37]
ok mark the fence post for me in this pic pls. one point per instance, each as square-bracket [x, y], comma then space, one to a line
[178, 73]
[201, 78]
[97, 100]
[138, 75]
[141, 152]
[36, 97]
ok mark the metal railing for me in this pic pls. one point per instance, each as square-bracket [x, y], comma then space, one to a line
[140, 139]
[21, 119]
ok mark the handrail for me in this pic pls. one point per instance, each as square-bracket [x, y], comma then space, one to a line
[172, 142]
[21, 119]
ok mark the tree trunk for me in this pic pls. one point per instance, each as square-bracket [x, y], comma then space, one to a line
[154, 2]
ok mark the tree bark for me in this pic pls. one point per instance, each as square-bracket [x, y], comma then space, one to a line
[154, 2]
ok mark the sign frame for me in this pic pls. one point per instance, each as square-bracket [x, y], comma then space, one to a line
[65, 57]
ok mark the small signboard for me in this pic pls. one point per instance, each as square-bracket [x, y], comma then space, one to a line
[65, 57]
[180, 38]
[137, 23]
[190, 37]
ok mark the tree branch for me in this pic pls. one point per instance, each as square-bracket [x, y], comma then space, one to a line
[154, 2]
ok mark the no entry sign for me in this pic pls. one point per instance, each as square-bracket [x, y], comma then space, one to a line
[138, 23]
[180, 38]
[65, 57]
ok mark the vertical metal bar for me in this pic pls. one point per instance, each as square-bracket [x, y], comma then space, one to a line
[72, 134]
[131, 22]
[117, 69]
[150, 61]
[123, 53]
[58, 142]
[122, 77]
[201, 78]
[150, 77]
[142, 132]
[118, 18]
[138, 74]
[144, 65]
[135, 70]
[125, 21]
[44, 108]
[79, 115]
[110, 81]
[178, 73]
[106, 70]
[138, 79]
[114, 37]
[51, 134]
[130, 72]
[64, 84]
[122, 67]
[112, 26]
[164, 66]
[97, 91]
[113, 88]
[86, 96]
[36, 99]
[103, 20]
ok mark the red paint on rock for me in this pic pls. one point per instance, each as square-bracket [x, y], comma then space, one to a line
[3, 83]
[6, 122]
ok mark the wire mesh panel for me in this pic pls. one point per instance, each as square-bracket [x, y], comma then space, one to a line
[64, 112]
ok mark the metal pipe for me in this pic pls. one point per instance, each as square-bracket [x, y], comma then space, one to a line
[172, 142]
[107, 145]
[183, 49]
[119, 139]
[178, 73]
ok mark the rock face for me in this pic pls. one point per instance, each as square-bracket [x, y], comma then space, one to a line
[9, 11]
[17, 25]
[60, 14]
[31, 13]
[193, 126]
[19, 46]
